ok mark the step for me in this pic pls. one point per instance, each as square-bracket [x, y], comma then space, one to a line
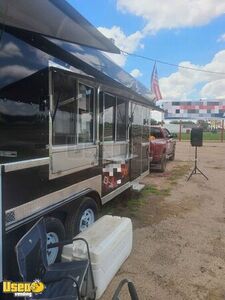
[136, 186]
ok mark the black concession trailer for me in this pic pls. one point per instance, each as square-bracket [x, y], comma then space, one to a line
[74, 126]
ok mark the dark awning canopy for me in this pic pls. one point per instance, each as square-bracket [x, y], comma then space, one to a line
[89, 61]
[53, 18]
[101, 63]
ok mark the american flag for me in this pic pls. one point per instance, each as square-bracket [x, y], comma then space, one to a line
[155, 84]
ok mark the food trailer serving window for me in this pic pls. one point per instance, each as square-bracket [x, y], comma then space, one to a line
[72, 111]
[115, 118]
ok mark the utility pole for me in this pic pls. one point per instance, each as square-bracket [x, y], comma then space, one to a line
[222, 131]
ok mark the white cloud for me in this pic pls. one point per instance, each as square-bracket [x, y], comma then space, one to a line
[221, 38]
[183, 83]
[136, 73]
[10, 50]
[173, 14]
[128, 43]
[15, 71]
[214, 89]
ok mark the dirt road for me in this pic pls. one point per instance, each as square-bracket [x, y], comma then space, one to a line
[179, 230]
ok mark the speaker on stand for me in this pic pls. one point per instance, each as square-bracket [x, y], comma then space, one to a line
[196, 141]
[197, 137]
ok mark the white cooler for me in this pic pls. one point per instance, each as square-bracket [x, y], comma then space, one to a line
[110, 242]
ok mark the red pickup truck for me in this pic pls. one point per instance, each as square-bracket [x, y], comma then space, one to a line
[162, 147]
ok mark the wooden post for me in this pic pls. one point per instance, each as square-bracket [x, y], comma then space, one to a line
[222, 132]
[180, 131]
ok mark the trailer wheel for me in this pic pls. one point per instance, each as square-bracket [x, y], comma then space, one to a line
[55, 233]
[81, 218]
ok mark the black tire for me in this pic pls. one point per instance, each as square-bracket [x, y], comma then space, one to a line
[162, 166]
[74, 218]
[172, 157]
[54, 227]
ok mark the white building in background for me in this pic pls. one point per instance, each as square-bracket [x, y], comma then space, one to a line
[157, 115]
[188, 109]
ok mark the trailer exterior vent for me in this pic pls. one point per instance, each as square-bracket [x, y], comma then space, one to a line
[10, 217]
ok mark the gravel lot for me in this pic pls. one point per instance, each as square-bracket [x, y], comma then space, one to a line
[179, 230]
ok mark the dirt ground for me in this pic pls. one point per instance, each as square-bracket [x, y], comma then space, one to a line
[179, 230]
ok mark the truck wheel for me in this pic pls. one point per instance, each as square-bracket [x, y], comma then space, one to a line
[172, 156]
[82, 217]
[162, 166]
[55, 233]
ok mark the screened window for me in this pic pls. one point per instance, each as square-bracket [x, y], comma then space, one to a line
[115, 118]
[121, 120]
[146, 122]
[85, 114]
[109, 118]
[64, 108]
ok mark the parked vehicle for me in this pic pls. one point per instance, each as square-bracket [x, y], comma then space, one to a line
[73, 134]
[162, 147]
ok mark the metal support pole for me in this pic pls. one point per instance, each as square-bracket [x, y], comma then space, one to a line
[194, 171]
[180, 131]
[222, 132]
[196, 155]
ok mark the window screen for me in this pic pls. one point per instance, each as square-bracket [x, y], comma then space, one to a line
[121, 122]
[146, 126]
[85, 114]
[64, 108]
[109, 118]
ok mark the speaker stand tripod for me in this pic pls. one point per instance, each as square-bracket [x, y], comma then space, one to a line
[194, 171]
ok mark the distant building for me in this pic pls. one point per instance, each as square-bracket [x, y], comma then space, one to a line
[187, 109]
[175, 128]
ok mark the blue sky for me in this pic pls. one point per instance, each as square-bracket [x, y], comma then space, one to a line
[190, 33]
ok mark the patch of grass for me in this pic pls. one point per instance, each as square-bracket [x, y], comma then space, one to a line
[177, 173]
[128, 204]
[139, 199]
[208, 136]
[154, 190]
[132, 203]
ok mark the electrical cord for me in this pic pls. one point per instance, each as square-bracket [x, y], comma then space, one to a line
[171, 64]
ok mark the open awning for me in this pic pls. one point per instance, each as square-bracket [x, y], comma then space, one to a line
[56, 19]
